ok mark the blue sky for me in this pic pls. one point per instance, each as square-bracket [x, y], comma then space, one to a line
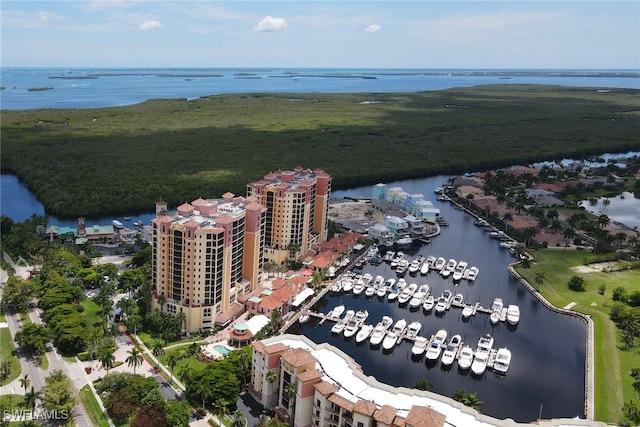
[299, 33]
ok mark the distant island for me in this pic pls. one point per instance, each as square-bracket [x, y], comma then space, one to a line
[40, 89]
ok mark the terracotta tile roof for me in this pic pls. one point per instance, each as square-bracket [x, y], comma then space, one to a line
[341, 402]
[311, 375]
[229, 314]
[298, 357]
[275, 348]
[258, 346]
[420, 416]
[364, 407]
[549, 187]
[325, 388]
[385, 415]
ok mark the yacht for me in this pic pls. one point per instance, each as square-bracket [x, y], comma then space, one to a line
[440, 262]
[419, 346]
[367, 278]
[379, 281]
[435, 348]
[347, 285]
[413, 329]
[428, 303]
[467, 311]
[496, 310]
[399, 327]
[456, 276]
[450, 352]
[403, 241]
[407, 293]
[457, 299]
[502, 360]
[336, 313]
[485, 344]
[479, 363]
[364, 333]
[415, 266]
[395, 261]
[390, 340]
[393, 294]
[441, 305]
[361, 316]
[382, 290]
[465, 359]
[417, 299]
[445, 273]
[402, 267]
[386, 322]
[358, 288]
[338, 327]
[461, 266]
[377, 335]
[472, 273]
[424, 269]
[388, 256]
[351, 328]
[451, 265]
[513, 314]
[336, 287]
[431, 261]
[370, 291]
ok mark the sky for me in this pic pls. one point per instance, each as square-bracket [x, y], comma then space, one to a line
[545, 34]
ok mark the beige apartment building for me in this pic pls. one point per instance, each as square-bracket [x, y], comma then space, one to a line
[207, 254]
[297, 205]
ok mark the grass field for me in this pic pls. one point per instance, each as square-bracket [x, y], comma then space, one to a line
[178, 149]
[6, 354]
[91, 406]
[613, 362]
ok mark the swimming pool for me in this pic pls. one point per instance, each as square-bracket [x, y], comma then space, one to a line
[221, 350]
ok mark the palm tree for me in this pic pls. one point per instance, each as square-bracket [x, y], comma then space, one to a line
[635, 374]
[470, 198]
[238, 419]
[539, 278]
[506, 217]
[262, 421]
[603, 221]
[25, 382]
[107, 359]
[172, 361]
[185, 373]
[290, 390]
[271, 376]
[162, 300]
[31, 398]
[157, 347]
[219, 408]
[134, 359]
[204, 390]
[181, 318]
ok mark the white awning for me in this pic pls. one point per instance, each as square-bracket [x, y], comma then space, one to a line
[302, 296]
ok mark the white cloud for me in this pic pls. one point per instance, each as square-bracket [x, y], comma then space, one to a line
[373, 28]
[270, 24]
[150, 25]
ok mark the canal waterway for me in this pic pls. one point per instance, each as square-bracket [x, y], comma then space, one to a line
[548, 349]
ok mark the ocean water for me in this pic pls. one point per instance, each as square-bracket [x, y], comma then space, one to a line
[94, 88]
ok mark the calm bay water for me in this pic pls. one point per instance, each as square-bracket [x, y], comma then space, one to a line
[93, 88]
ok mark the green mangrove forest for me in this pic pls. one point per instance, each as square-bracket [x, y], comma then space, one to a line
[123, 159]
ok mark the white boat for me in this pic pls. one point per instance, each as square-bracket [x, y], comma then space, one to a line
[402, 267]
[361, 316]
[349, 315]
[467, 311]
[451, 265]
[358, 288]
[440, 263]
[403, 241]
[336, 287]
[496, 310]
[502, 360]
[456, 276]
[390, 340]
[388, 256]
[393, 294]
[479, 363]
[304, 317]
[370, 291]
[449, 354]
[338, 327]
[419, 296]
[377, 335]
[424, 268]
[138, 223]
[413, 329]
[428, 303]
[379, 281]
[402, 283]
[399, 327]
[485, 344]
[461, 266]
[457, 299]
[465, 359]
[347, 285]
[431, 261]
[472, 273]
[445, 273]
[351, 329]
[434, 350]
[513, 314]
[480, 223]
[441, 305]
[407, 293]
[336, 313]
[386, 322]
[367, 278]
[414, 266]
[382, 290]
[419, 345]
[117, 224]
[395, 261]
[364, 333]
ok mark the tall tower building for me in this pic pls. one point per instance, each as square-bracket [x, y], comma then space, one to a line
[297, 204]
[205, 255]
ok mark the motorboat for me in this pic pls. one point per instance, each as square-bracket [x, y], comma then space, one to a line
[364, 333]
[336, 313]
[450, 351]
[496, 310]
[461, 266]
[485, 344]
[413, 329]
[402, 267]
[424, 268]
[467, 311]
[388, 256]
[457, 299]
[304, 317]
[399, 327]
[416, 301]
[367, 278]
[480, 223]
[386, 322]
[407, 293]
[415, 266]
[338, 327]
[117, 224]
[381, 291]
[336, 287]
[419, 345]
[402, 283]
[361, 316]
[431, 261]
[349, 315]
[403, 241]
[358, 288]
[347, 285]
[377, 335]
[479, 363]
[393, 294]
[472, 273]
[441, 305]
[390, 340]
[379, 281]
[456, 276]
[351, 328]
[513, 314]
[502, 360]
[451, 265]
[440, 263]
[445, 273]
[395, 261]
[428, 303]
[434, 350]
[447, 295]
[465, 359]
[370, 291]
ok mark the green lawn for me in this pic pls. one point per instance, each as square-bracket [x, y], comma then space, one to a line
[91, 312]
[91, 406]
[613, 362]
[192, 361]
[7, 354]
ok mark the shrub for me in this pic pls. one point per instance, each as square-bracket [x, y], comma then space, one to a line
[620, 294]
[617, 310]
[634, 299]
[576, 283]
[602, 289]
